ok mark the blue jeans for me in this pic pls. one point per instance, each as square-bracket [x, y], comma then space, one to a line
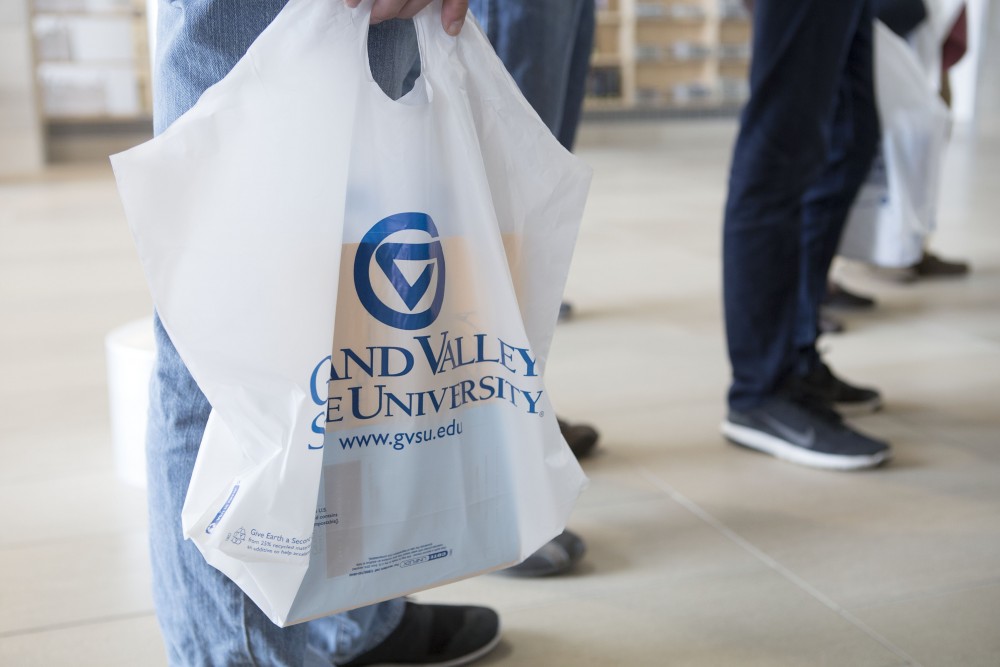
[806, 141]
[205, 618]
[546, 47]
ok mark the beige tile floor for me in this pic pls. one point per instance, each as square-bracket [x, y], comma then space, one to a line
[700, 553]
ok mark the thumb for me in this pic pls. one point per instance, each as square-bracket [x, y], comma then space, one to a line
[453, 15]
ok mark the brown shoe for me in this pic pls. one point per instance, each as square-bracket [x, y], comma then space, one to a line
[581, 438]
[932, 266]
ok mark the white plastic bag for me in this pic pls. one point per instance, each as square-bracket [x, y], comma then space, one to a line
[389, 272]
[896, 208]
[927, 39]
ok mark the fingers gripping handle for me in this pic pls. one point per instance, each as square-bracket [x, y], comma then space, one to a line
[434, 43]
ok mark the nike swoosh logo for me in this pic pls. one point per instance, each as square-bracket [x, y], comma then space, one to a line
[806, 438]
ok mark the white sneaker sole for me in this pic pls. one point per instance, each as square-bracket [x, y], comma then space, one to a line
[786, 451]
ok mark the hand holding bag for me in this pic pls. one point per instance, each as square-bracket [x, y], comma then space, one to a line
[366, 291]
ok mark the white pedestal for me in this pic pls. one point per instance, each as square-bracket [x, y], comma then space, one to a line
[131, 354]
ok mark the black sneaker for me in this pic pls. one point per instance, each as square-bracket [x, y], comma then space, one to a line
[557, 556]
[565, 311]
[822, 386]
[581, 438]
[804, 434]
[436, 635]
[829, 324]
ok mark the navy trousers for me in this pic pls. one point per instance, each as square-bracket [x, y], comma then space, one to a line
[805, 145]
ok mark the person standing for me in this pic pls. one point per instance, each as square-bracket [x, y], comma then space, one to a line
[546, 47]
[807, 137]
[205, 619]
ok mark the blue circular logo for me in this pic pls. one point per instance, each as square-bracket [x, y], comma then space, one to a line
[409, 269]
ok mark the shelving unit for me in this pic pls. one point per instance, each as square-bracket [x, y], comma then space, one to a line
[92, 59]
[667, 54]
[21, 146]
[92, 71]
[91, 67]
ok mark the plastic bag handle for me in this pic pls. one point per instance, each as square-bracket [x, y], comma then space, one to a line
[432, 40]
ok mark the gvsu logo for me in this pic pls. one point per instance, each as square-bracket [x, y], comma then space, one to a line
[399, 271]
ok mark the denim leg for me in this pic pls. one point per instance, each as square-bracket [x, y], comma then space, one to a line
[854, 139]
[579, 67]
[197, 43]
[206, 620]
[392, 48]
[542, 44]
[800, 51]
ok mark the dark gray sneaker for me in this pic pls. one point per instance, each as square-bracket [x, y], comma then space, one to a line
[436, 635]
[822, 386]
[557, 556]
[805, 434]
